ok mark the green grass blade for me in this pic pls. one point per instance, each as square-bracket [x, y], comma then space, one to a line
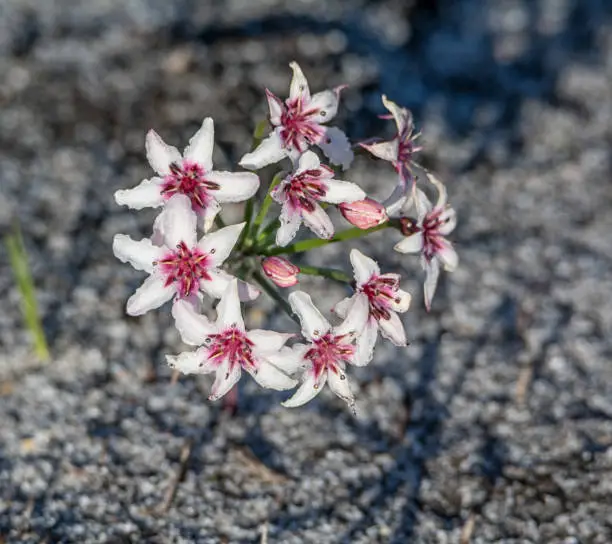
[21, 271]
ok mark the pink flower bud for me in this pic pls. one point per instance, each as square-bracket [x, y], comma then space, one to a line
[364, 214]
[282, 272]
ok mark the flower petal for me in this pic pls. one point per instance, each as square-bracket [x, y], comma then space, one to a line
[193, 327]
[289, 360]
[290, 221]
[326, 102]
[432, 270]
[217, 283]
[159, 154]
[398, 200]
[318, 222]
[275, 104]
[313, 323]
[402, 116]
[344, 306]
[342, 191]
[145, 195]
[267, 375]
[449, 221]
[267, 152]
[219, 244]
[267, 341]
[410, 244]
[336, 147]
[190, 362]
[448, 255]
[442, 194]
[227, 376]
[309, 389]
[308, 160]
[339, 385]
[200, 148]
[363, 267]
[141, 254]
[401, 302]
[178, 222]
[357, 317]
[387, 151]
[208, 214]
[393, 329]
[150, 295]
[234, 186]
[299, 84]
[229, 313]
[365, 343]
[421, 204]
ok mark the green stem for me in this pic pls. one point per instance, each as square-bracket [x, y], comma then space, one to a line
[313, 243]
[331, 273]
[263, 211]
[21, 270]
[248, 216]
[275, 294]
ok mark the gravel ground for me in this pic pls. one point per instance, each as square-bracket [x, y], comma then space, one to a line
[495, 425]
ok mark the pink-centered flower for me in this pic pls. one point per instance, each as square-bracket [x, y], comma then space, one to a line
[427, 235]
[181, 266]
[281, 271]
[298, 124]
[400, 150]
[328, 351]
[191, 175]
[300, 195]
[364, 214]
[227, 348]
[384, 299]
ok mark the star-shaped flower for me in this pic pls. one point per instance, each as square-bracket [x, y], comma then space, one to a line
[427, 235]
[191, 175]
[298, 124]
[400, 150]
[384, 299]
[182, 266]
[227, 348]
[300, 194]
[328, 351]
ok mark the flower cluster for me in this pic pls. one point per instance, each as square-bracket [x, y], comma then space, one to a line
[193, 259]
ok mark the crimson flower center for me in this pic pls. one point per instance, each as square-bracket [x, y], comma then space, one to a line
[433, 240]
[189, 179]
[185, 267]
[381, 293]
[298, 129]
[234, 345]
[305, 189]
[327, 353]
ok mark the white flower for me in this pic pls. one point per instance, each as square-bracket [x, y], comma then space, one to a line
[191, 175]
[427, 235]
[328, 351]
[384, 298]
[298, 124]
[227, 348]
[399, 151]
[300, 194]
[181, 266]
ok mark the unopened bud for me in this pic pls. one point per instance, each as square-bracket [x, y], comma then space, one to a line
[364, 214]
[408, 226]
[282, 272]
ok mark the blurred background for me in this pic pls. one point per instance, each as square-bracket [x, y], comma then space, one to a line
[495, 425]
